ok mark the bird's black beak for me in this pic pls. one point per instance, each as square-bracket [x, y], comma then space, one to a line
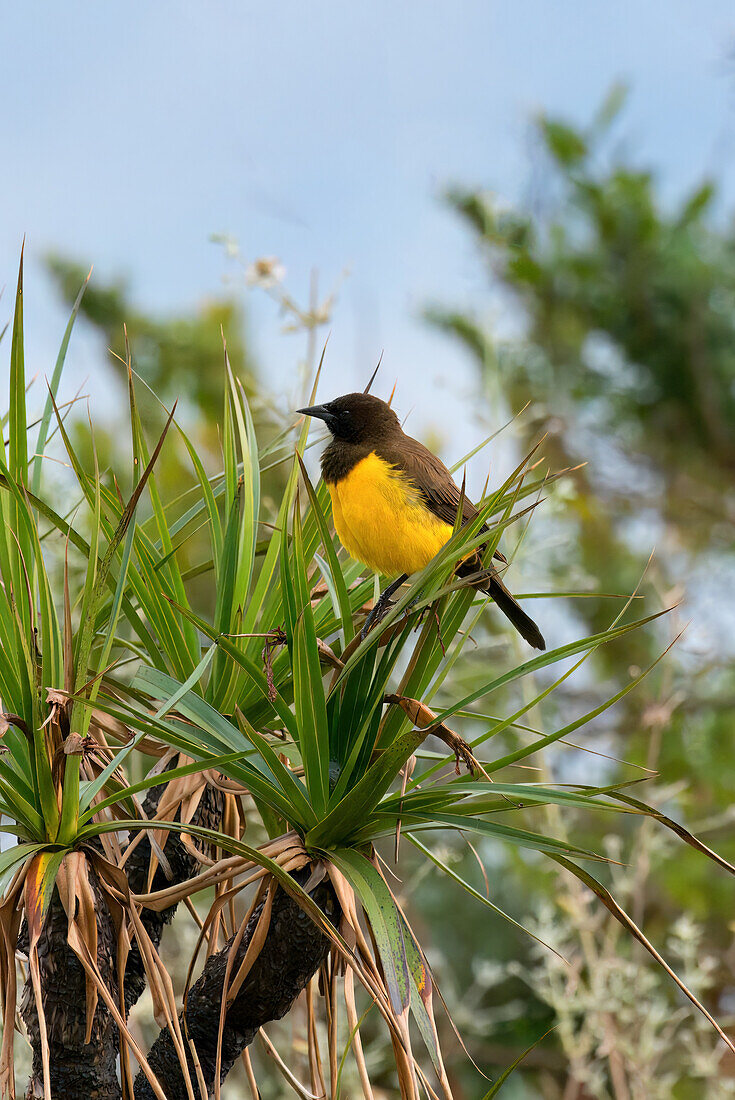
[321, 412]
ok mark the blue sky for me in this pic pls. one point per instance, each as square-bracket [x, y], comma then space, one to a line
[324, 133]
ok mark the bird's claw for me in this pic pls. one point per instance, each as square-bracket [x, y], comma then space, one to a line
[382, 606]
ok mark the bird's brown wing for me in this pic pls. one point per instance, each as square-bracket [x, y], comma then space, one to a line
[431, 478]
[443, 498]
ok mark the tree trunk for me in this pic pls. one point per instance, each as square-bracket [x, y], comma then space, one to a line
[183, 866]
[293, 950]
[87, 1071]
[82, 1071]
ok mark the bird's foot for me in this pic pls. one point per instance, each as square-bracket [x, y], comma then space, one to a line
[382, 606]
[379, 611]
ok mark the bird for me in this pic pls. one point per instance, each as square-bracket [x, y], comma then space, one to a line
[394, 503]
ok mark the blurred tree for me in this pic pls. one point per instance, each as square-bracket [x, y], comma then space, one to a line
[628, 354]
[626, 303]
[178, 355]
[626, 358]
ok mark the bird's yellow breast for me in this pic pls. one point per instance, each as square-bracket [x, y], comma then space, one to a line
[382, 521]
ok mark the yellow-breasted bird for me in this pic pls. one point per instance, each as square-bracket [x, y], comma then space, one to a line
[394, 503]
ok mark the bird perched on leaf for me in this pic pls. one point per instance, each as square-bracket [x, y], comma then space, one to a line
[394, 503]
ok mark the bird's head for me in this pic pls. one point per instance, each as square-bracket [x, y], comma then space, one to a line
[356, 417]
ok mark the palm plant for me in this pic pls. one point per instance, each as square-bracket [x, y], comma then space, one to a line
[269, 709]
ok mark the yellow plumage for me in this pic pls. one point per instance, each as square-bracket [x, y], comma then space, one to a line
[382, 521]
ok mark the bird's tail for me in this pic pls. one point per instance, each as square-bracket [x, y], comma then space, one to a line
[513, 611]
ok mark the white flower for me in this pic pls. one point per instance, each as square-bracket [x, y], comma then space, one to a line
[265, 272]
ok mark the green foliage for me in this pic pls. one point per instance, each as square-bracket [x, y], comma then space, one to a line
[275, 689]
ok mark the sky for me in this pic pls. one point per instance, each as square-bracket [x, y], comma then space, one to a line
[324, 134]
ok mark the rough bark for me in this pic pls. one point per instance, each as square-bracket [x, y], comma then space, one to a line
[183, 866]
[77, 1069]
[89, 1071]
[293, 950]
